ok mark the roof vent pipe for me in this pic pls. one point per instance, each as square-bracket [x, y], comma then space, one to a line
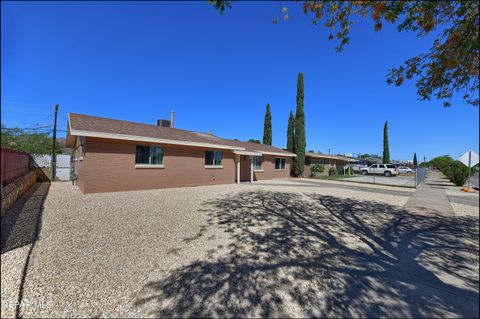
[172, 115]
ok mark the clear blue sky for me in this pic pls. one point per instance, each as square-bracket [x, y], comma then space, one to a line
[138, 61]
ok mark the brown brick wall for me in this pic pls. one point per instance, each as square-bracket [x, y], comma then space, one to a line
[269, 171]
[109, 166]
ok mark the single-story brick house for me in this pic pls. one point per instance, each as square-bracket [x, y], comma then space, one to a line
[338, 162]
[112, 155]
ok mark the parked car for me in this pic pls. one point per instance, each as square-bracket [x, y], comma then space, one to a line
[380, 169]
[358, 165]
[405, 170]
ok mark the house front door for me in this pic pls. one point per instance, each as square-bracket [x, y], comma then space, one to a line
[245, 168]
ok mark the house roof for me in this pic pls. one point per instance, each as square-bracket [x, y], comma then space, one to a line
[261, 148]
[334, 157]
[373, 159]
[87, 125]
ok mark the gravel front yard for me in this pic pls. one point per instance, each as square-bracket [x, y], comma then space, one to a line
[269, 249]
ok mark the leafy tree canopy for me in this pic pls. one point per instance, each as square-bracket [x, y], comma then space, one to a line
[291, 133]
[300, 138]
[456, 171]
[291, 140]
[267, 127]
[450, 66]
[369, 155]
[32, 143]
[386, 148]
[254, 141]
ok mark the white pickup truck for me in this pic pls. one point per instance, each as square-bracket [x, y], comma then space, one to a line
[358, 165]
[380, 169]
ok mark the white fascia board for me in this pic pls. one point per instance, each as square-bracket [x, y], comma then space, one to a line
[136, 138]
[247, 153]
[69, 132]
[278, 154]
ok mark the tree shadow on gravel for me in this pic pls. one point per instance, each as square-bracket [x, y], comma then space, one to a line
[21, 226]
[322, 256]
[21, 223]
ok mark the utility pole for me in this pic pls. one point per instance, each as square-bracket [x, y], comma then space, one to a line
[329, 149]
[469, 168]
[54, 142]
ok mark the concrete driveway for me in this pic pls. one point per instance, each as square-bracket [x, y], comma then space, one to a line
[280, 248]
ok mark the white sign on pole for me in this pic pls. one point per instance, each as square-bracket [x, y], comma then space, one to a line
[470, 158]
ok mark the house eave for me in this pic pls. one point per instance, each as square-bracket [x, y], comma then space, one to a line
[278, 154]
[136, 138]
[250, 153]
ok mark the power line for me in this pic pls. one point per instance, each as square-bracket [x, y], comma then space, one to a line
[27, 128]
[14, 117]
[46, 118]
[31, 130]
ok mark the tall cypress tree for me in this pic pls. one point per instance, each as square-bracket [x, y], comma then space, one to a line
[386, 149]
[300, 140]
[267, 127]
[415, 163]
[291, 139]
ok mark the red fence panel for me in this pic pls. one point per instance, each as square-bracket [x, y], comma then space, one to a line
[14, 165]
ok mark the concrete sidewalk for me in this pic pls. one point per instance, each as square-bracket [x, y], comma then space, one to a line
[431, 201]
[430, 197]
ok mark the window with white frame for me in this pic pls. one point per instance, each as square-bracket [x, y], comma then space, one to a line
[213, 158]
[149, 155]
[279, 163]
[257, 163]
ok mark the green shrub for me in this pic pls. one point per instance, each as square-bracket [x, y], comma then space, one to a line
[332, 171]
[443, 163]
[347, 171]
[458, 173]
[316, 168]
[455, 171]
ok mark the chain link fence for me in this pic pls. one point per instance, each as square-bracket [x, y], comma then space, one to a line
[420, 175]
[62, 170]
[403, 176]
[15, 164]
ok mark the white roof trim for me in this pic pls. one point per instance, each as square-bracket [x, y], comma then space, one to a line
[247, 153]
[332, 157]
[278, 154]
[150, 139]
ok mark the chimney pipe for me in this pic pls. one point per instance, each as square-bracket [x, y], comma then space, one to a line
[172, 115]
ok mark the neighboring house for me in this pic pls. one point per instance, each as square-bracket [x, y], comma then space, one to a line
[373, 160]
[113, 155]
[335, 161]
